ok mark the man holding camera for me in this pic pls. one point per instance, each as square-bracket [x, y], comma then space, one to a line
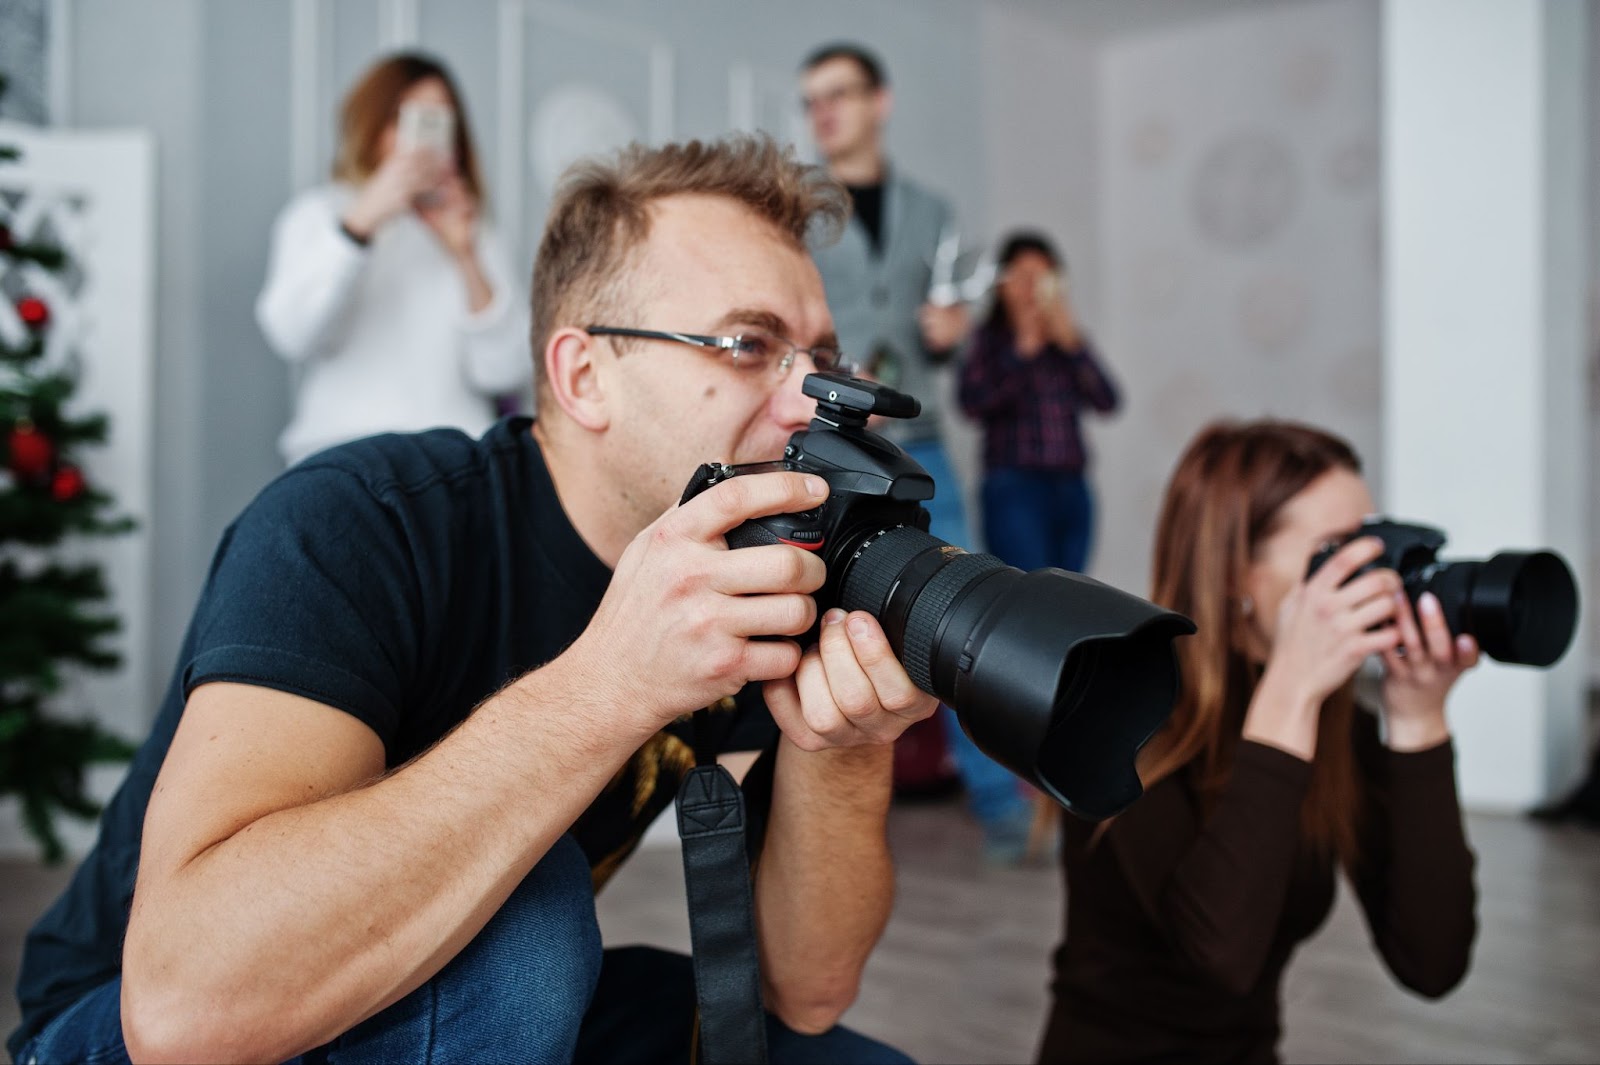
[437, 688]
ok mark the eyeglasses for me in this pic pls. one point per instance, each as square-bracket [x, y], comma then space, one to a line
[752, 351]
[830, 97]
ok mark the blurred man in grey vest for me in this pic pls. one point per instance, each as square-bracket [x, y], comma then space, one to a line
[879, 279]
[878, 275]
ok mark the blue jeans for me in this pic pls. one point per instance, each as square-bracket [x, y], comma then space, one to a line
[1038, 518]
[533, 986]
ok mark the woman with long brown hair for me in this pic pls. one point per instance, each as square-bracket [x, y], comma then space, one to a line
[384, 287]
[1183, 912]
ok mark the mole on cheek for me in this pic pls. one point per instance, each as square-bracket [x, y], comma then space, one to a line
[711, 390]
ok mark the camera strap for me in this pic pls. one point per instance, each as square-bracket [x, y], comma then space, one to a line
[722, 929]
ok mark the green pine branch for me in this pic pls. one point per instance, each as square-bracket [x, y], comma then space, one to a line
[49, 257]
[42, 762]
[21, 355]
[46, 623]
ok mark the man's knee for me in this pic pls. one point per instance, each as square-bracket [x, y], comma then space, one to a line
[518, 991]
[544, 938]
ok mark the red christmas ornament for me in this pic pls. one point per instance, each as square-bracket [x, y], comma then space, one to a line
[67, 485]
[33, 312]
[30, 453]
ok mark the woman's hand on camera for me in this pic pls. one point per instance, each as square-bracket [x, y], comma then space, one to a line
[1327, 626]
[392, 190]
[1419, 672]
[849, 690]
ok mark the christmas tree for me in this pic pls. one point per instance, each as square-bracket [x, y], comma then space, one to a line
[52, 611]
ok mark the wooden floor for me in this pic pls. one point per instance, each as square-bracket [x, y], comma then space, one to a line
[961, 974]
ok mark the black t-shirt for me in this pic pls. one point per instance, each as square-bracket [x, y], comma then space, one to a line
[401, 579]
[866, 201]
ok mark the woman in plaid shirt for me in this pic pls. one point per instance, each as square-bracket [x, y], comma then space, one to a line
[1029, 373]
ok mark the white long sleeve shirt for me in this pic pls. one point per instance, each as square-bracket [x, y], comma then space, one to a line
[382, 335]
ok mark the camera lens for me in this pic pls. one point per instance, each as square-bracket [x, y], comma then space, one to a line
[1056, 676]
[1522, 607]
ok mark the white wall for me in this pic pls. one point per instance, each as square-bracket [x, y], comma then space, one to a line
[1591, 586]
[1240, 238]
[1039, 137]
[1485, 162]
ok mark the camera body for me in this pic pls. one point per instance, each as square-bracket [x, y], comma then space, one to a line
[873, 486]
[1521, 607]
[1056, 676]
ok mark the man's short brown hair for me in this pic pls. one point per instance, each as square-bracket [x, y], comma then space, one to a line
[600, 218]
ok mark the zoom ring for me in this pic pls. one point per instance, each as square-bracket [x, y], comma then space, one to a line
[930, 608]
[871, 576]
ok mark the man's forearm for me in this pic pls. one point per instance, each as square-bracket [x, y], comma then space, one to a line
[311, 918]
[825, 881]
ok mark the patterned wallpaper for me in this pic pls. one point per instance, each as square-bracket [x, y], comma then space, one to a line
[1241, 244]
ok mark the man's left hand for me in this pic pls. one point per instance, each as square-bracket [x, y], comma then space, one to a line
[849, 691]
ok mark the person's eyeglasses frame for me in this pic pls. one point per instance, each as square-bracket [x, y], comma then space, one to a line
[836, 95]
[831, 359]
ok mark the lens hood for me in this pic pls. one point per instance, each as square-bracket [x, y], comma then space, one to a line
[1061, 680]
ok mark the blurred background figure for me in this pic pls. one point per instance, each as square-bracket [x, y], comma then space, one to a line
[878, 276]
[879, 273]
[1029, 373]
[1182, 913]
[385, 289]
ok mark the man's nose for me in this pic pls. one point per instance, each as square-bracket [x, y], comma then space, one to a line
[791, 407]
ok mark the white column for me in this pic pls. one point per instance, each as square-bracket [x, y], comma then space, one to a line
[1484, 387]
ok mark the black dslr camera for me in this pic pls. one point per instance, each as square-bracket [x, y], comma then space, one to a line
[1521, 606]
[1058, 677]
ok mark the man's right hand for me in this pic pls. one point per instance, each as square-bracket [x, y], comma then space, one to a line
[677, 628]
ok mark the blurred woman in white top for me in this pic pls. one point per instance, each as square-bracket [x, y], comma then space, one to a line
[384, 287]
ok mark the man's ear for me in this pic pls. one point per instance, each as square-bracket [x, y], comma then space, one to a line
[573, 378]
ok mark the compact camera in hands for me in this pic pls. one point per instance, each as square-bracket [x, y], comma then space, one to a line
[1056, 676]
[1521, 606]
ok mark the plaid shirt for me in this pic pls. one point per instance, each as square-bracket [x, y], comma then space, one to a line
[1029, 407]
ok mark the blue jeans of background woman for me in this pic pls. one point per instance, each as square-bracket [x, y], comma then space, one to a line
[1036, 518]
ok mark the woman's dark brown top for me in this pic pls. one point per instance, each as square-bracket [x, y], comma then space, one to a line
[1178, 928]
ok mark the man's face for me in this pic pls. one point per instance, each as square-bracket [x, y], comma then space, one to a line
[712, 267]
[843, 109]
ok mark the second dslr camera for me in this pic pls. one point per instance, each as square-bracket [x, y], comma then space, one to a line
[1521, 606]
